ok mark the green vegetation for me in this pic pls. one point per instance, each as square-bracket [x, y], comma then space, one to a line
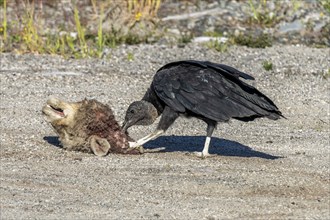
[217, 45]
[3, 29]
[325, 4]
[268, 65]
[81, 34]
[262, 15]
[265, 16]
[29, 36]
[130, 56]
[213, 34]
[261, 41]
[185, 38]
[100, 39]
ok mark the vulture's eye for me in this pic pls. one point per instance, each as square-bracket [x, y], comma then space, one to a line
[132, 111]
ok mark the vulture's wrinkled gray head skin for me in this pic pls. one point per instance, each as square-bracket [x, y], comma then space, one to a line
[139, 113]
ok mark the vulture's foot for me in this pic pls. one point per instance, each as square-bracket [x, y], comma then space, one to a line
[203, 155]
[135, 145]
[155, 150]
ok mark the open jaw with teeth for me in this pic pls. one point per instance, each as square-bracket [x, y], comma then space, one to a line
[87, 126]
[58, 111]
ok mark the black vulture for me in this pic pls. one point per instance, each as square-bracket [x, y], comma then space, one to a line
[209, 91]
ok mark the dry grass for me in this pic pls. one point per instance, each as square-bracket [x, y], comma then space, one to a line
[24, 33]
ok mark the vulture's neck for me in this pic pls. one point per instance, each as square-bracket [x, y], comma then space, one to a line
[152, 112]
[151, 97]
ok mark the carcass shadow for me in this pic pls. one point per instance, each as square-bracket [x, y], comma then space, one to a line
[53, 140]
[196, 143]
[192, 144]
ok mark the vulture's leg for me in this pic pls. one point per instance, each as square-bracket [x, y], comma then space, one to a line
[209, 131]
[167, 119]
[147, 138]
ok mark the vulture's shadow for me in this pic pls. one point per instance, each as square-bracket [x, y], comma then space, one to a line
[196, 143]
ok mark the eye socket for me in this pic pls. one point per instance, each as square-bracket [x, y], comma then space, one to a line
[132, 111]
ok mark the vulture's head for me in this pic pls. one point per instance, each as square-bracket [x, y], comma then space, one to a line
[139, 113]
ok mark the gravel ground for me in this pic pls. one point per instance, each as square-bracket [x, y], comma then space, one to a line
[263, 169]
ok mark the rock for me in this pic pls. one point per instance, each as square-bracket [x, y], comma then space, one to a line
[295, 26]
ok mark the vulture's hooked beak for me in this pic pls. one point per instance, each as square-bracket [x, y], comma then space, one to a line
[125, 126]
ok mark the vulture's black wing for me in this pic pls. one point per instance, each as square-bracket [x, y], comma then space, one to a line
[224, 69]
[211, 90]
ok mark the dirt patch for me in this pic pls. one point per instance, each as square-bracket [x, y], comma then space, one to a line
[261, 170]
